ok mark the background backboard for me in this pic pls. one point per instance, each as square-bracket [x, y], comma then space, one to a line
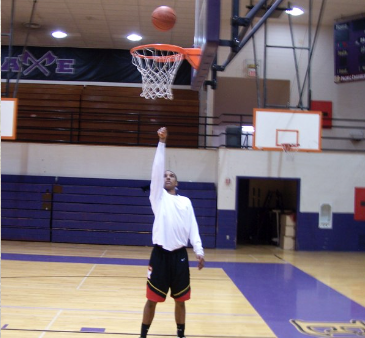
[207, 28]
[9, 113]
[297, 127]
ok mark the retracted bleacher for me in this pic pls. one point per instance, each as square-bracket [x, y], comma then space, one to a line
[92, 211]
[26, 207]
[103, 115]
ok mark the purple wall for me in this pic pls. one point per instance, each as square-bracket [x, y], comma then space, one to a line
[346, 233]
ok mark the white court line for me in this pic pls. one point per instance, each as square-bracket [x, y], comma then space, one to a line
[90, 289]
[103, 254]
[122, 311]
[84, 279]
[253, 257]
[51, 323]
[160, 316]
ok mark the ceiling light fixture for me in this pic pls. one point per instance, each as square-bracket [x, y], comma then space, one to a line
[59, 34]
[32, 25]
[134, 37]
[295, 11]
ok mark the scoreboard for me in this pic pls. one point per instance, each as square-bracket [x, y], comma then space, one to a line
[349, 36]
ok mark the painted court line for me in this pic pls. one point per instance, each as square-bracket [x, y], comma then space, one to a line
[126, 334]
[84, 279]
[74, 259]
[92, 329]
[51, 323]
[253, 257]
[123, 311]
[104, 253]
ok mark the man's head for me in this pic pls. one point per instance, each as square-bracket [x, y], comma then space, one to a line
[170, 182]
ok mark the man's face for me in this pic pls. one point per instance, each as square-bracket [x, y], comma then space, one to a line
[170, 181]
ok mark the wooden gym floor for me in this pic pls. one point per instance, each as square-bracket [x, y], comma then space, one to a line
[72, 290]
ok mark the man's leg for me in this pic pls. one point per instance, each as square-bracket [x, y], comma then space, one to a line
[180, 313]
[148, 314]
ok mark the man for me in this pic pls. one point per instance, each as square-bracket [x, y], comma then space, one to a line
[173, 226]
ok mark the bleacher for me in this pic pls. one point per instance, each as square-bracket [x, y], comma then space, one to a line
[92, 211]
[103, 115]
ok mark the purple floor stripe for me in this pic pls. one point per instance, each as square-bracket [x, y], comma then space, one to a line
[92, 329]
[281, 292]
[73, 259]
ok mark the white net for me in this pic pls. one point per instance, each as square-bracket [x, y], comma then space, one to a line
[289, 147]
[158, 69]
[289, 150]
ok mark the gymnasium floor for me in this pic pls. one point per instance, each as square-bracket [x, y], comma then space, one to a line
[73, 291]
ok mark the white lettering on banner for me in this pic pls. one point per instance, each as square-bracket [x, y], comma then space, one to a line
[341, 27]
[349, 78]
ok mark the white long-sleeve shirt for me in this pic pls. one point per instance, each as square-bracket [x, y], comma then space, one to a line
[175, 221]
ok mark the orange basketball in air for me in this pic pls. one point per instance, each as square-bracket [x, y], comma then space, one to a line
[163, 18]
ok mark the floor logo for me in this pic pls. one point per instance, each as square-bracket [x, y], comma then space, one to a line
[355, 328]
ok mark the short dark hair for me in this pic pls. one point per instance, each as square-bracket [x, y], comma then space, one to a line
[173, 173]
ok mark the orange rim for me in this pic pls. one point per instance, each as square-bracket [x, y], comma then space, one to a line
[158, 46]
[192, 55]
[289, 146]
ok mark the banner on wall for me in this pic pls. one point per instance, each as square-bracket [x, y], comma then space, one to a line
[350, 50]
[76, 64]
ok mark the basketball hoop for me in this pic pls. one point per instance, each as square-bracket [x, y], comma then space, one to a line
[288, 147]
[158, 65]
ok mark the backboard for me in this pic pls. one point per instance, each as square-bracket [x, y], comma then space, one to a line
[207, 28]
[9, 113]
[274, 127]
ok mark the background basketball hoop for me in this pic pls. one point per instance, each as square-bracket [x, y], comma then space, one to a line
[158, 65]
[287, 147]
[289, 150]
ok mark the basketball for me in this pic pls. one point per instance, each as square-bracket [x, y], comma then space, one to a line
[163, 18]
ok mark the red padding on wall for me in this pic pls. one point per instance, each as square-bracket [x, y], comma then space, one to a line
[326, 108]
[359, 204]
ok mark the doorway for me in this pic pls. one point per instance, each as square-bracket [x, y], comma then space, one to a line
[260, 202]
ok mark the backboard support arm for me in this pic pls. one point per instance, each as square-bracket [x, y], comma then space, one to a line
[239, 39]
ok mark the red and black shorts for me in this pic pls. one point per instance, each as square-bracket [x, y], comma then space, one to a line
[168, 270]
